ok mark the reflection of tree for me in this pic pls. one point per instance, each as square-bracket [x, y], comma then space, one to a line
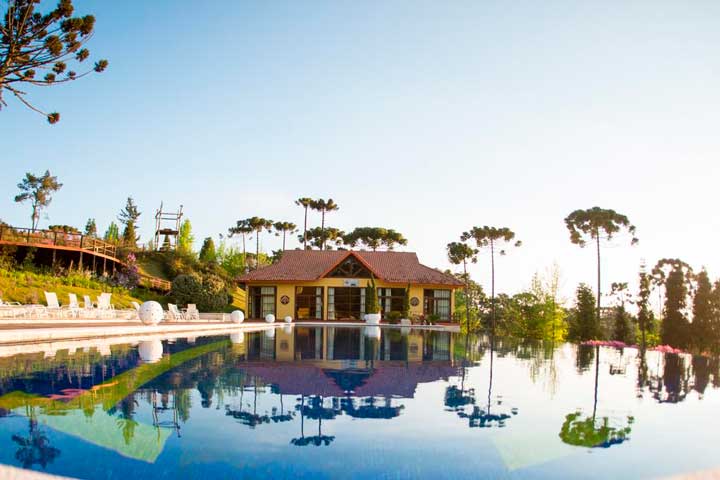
[315, 410]
[251, 419]
[587, 433]
[369, 409]
[584, 357]
[282, 416]
[590, 431]
[126, 421]
[479, 417]
[675, 378]
[34, 449]
[457, 398]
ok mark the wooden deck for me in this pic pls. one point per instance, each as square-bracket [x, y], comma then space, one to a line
[95, 248]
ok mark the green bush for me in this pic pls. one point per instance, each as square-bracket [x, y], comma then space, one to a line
[394, 317]
[209, 292]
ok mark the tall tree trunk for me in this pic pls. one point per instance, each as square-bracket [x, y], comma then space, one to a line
[597, 241]
[467, 301]
[492, 288]
[257, 249]
[322, 231]
[305, 230]
[284, 240]
[597, 371]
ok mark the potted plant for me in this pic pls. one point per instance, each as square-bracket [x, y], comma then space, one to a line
[405, 318]
[372, 307]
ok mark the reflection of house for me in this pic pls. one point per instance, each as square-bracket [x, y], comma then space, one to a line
[329, 285]
[338, 362]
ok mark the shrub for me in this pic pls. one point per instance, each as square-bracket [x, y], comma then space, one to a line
[371, 300]
[209, 291]
[394, 317]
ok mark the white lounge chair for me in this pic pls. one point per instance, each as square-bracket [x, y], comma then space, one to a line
[192, 313]
[174, 314]
[74, 306]
[104, 305]
[11, 309]
[53, 305]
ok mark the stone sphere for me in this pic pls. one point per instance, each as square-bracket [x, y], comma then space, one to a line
[270, 318]
[288, 319]
[150, 313]
[287, 329]
[237, 338]
[237, 316]
[150, 351]
[270, 333]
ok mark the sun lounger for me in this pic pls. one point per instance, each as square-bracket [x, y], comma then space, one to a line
[174, 314]
[192, 313]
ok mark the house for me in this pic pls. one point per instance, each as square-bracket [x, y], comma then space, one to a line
[330, 285]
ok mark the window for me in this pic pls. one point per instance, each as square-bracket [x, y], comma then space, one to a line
[346, 303]
[262, 301]
[437, 302]
[309, 303]
[391, 299]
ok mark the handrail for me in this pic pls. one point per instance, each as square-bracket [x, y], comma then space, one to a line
[57, 238]
[88, 243]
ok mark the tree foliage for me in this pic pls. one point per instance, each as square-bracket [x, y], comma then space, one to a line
[91, 228]
[584, 324]
[323, 239]
[305, 203]
[284, 228]
[32, 43]
[129, 216]
[675, 276]
[185, 237]
[324, 206]
[374, 238]
[38, 190]
[207, 251]
[112, 234]
[703, 312]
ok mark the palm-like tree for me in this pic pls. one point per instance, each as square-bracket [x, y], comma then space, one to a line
[491, 237]
[258, 224]
[462, 253]
[306, 203]
[324, 206]
[285, 228]
[597, 223]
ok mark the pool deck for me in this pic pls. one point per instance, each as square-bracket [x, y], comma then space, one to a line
[27, 331]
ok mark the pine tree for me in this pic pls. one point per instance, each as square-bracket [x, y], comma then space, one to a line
[91, 228]
[128, 217]
[207, 251]
[584, 324]
[702, 324]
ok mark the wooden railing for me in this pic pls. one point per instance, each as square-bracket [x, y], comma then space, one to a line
[155, 283]
[52, 238]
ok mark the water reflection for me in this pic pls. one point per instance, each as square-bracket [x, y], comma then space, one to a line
[327, 387]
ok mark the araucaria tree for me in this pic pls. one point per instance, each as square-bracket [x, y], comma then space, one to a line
[32, 43]
[597, 224]
[258, 224]
[492, 238]
[320, 238]
[306, 203]
[460, 254]
[38, 189]
[284, 228]
[374, 238]
[129, 217]
[324, 206]
[243, 229]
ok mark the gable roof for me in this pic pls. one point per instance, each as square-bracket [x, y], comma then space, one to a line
[311, 265]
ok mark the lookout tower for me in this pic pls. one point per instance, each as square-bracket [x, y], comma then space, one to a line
[167, 226]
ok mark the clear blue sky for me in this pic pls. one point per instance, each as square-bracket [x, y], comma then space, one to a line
[429, 117]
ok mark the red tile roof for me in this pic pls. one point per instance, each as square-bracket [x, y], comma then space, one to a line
[311, 265]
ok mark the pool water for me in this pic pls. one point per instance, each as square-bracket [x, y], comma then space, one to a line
[349, 402]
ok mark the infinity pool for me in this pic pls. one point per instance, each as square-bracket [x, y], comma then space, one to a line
[319, 403]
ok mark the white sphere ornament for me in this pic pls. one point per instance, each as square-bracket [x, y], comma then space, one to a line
[288, 319]
[237, 338]
[270, 333]
[237, 316]
[150, 313]
[372, 332]
[287, 329]
[270, 318]
[150, 351]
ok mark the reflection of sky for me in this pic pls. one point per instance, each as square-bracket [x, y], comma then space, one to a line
[426, 439]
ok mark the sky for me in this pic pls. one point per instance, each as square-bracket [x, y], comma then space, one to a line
[427, 117]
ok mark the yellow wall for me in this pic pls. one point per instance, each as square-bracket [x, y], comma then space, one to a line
[289, 289]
